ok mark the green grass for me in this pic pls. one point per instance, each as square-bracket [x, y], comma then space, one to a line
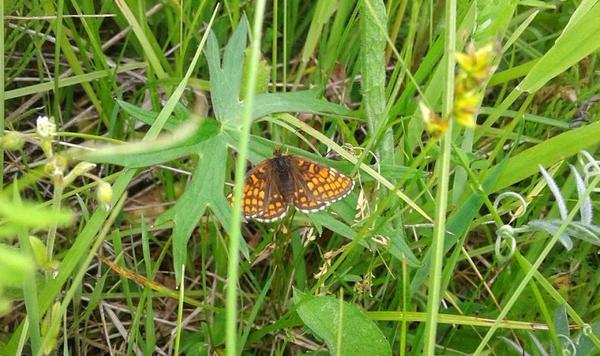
[173, 101]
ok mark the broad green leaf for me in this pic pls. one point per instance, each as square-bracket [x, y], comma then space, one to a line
[225, 83]
[345, 328]
[185, 141]
[586, 346]
[561, 321]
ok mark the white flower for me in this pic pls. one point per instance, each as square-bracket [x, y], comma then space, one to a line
[45, 126]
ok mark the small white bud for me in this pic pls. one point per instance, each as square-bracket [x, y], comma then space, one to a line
[45, 126]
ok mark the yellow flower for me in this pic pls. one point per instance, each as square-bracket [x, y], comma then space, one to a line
[465, 108]
[476, 63]
[435, 125]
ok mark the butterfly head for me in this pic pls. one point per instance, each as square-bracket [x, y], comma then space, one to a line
[277, 152]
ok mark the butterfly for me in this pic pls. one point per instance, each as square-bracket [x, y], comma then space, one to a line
[276, 183]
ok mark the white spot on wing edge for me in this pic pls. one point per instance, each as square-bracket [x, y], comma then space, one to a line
[280, 216]
[328, 203]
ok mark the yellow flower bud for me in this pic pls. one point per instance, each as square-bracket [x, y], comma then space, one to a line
[435, 125]
[104, 194]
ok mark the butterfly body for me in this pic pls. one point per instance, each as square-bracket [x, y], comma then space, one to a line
[276, 183]
[282, 166]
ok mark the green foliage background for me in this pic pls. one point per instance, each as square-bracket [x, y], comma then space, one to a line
[171, 99]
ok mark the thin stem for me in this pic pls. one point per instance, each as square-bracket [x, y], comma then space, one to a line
[404, 326]
[56, 204]
[179, 325]
[240, 168]
[2, 90]
[443, 169]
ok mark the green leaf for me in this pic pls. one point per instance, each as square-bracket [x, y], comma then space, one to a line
[15, 267]
[586, 345]
[561, 321]
[327, 317]
[547, 153]
[579, 39]
[28, 215]
[372, 56]
[300, 101]
[185, 141]
[225, 81]
[205, 190]
[148, 117]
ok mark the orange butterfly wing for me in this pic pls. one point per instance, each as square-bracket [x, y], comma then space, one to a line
[318, 186]
[261, 200]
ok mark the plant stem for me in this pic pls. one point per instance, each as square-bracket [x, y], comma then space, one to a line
[240, 168]
[56, 204]
[2, 91]
[443, 170]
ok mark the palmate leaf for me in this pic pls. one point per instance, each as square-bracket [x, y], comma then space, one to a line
[206, 190]
[225, 82]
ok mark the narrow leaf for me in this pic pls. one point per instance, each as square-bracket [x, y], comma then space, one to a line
[560, 201]
[577, 41]
[586, 208]
[183, 142]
